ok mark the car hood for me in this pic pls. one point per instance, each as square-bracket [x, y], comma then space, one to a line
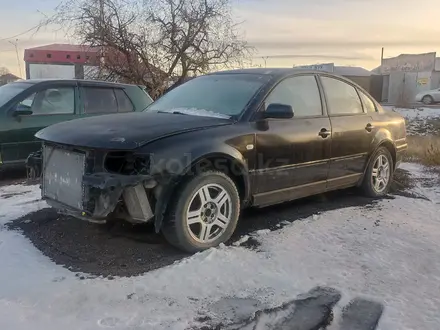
[125, 131]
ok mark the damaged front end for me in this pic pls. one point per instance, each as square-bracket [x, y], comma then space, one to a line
[98, 185]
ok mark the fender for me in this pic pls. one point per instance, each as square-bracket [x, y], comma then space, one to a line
[188, 160]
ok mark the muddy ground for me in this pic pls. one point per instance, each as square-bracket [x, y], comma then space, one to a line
[123, 249]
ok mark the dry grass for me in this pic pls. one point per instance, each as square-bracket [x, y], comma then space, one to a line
[424, 149]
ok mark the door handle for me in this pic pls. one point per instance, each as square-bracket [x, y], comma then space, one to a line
[369, 127]
[324, 132]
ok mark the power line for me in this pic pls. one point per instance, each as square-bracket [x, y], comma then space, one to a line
[22, 33]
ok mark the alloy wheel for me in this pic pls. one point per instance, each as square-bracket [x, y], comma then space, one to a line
[380, 174]
[209, 213]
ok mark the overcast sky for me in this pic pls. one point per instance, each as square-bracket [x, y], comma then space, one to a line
[346, 32]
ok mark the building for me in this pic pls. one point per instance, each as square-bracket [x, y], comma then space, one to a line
[83, 62]
[61, 61]
[406, 75]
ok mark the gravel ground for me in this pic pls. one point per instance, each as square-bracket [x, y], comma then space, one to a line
[122, 249]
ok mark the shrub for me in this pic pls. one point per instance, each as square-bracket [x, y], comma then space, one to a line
[424, 149]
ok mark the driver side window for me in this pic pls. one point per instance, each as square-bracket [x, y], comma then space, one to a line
[26, 103]
[50, 101]
[300, 92]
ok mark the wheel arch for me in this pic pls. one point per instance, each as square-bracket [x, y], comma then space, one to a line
[227, 160]
[430, 96]
[387, 143]
[391, 148]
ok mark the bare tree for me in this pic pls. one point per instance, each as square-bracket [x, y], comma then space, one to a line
[4, 70]
[153, 42]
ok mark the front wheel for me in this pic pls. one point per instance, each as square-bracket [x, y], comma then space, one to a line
[203, 213]
[379, 174]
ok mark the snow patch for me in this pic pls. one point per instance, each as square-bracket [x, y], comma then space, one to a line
[242, 240]
[198, 112]
[19, 200]
[416, 113]
[419, 121]
[262, 232]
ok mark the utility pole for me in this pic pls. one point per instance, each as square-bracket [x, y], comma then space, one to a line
[18, 57]
[381, 57]
[265, 60]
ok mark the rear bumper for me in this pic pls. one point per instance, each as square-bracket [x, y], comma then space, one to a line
[400, 152]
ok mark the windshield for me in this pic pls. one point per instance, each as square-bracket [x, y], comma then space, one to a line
[8, 91]
[221, 95]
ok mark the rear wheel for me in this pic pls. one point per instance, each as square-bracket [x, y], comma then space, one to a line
[203, 213]
[379, 174]
[427, 99]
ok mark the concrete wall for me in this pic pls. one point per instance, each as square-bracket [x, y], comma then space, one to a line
[403, 86]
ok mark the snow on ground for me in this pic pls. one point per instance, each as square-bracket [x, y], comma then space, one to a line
[389, 252]
[416, 112]
[419, 121]
[18, 200]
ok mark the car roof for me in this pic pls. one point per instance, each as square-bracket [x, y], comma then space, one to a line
[88, 82]
[276, 72]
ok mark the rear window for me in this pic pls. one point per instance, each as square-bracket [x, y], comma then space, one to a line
[8, 91]
[99, 100]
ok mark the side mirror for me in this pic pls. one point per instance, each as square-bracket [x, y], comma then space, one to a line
[278, 110]
[22, 110]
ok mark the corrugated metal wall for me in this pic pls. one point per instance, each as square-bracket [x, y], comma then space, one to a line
[403, 86]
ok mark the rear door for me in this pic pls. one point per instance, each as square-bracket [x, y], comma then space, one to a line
[352, 132]
[100, 100]
[50, 104]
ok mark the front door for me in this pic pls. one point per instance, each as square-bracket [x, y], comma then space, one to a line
[293, 154]
[49, 105]
[352, 132]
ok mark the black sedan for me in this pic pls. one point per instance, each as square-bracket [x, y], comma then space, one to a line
[217, 144]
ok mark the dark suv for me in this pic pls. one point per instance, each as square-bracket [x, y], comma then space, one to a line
[30, 105]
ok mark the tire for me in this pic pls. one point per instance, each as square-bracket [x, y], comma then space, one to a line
[369, 185]
[185, 236]
[427, 99]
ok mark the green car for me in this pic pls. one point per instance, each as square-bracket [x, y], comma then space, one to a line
[27, 106]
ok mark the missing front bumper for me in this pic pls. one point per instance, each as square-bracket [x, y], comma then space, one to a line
[70, 186]
[118, 196]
